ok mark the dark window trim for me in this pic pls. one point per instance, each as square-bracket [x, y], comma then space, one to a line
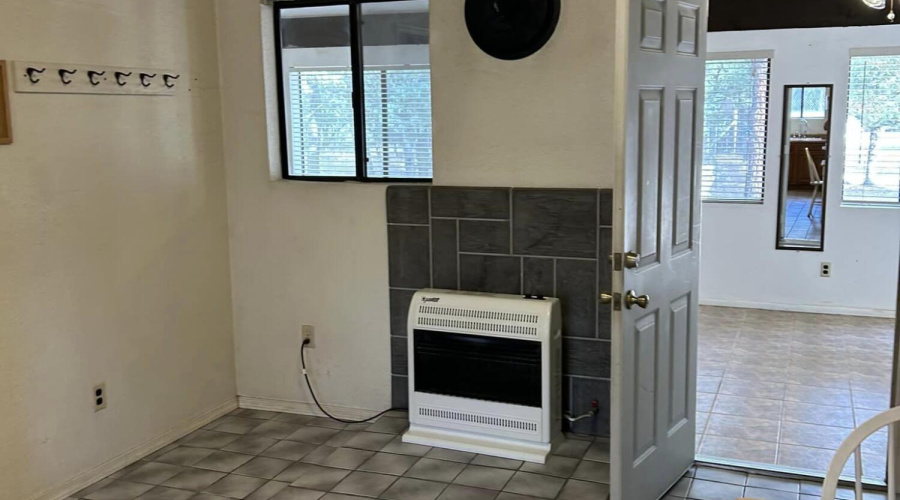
[356, 58]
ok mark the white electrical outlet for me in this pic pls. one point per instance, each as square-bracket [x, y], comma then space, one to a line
[100, 397]
[308, 332]
[825, 270]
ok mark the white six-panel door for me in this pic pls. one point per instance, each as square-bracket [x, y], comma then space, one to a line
[662, 67]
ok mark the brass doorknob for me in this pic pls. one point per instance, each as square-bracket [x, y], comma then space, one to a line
[632, 260]
[606, 298]
[641, 301]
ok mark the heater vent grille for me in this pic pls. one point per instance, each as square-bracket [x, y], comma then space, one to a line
[477, 326]
[475, 418]
[468, 319]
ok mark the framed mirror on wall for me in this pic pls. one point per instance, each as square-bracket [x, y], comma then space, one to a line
[806, 141]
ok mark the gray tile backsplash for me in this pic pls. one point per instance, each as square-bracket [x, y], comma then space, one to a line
[538, 276]
[551, 242]
[444, 251]
[555, 222]
[490, 273]
[468, 203]
[399, 310]
[409, 256]
[484, 236]
[408, 206]
[576, 288]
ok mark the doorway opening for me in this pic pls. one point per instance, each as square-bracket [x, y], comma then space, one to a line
[796, 333]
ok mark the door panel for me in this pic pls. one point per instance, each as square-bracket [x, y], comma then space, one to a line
[658, 216]
[647, 218]
[684, 169]
[679, 351]
[645, 390]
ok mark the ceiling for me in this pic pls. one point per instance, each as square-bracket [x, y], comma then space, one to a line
[738, 15]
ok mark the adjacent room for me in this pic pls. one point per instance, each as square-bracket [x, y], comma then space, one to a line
[800, 233]
[449, 249]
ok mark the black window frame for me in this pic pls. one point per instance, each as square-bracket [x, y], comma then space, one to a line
[358, 98]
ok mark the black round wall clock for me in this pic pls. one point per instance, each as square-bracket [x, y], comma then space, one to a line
[511, 29]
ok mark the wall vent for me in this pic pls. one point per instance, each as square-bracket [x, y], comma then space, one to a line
[475, 418]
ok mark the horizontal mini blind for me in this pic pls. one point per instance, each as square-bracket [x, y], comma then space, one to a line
[736, 116]
[872, 140]
[321, 123]
[398, 123]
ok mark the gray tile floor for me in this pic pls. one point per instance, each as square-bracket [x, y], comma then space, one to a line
[709, 483]
[797, 223]
[781, 388]
[260, 455]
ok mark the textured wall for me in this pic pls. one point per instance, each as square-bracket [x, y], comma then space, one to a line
[543, 121]
[316, 253]
[516, 241]
[113, 242]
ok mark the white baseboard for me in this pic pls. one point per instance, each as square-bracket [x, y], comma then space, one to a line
[770, 306]
[303, 408]
[103, 470]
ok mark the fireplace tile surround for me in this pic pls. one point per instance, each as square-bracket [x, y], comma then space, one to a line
[510, 240]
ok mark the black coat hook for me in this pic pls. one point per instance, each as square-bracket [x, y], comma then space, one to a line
[145, 77]
[120, 75]
[31, 71]
[166, 79]
[62, 75]
[92, 74]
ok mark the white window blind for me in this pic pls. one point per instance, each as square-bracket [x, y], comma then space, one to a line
[398, 123]
[736, 116]
[872, 140]
[321, 121]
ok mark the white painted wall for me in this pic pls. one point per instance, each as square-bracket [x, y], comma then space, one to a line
[113, 245]
[740, 265]
[316, 253]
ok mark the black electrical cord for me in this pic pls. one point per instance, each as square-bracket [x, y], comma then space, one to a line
[332, 417]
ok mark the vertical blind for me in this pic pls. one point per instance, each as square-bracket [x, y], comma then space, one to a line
[872, 140]
[736, 116]
[398, 123]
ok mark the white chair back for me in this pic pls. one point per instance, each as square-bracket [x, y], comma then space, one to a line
[813, 171]
[853, 445]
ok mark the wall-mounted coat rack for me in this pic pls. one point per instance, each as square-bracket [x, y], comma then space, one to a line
[93, 79]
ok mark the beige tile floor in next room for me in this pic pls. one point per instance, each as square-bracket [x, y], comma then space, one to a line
[782, 388]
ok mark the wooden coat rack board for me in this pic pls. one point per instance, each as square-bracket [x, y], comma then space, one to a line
[93, 79]
[5, 122]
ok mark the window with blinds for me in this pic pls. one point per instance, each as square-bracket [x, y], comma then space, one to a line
[736, 116]
[872, 140]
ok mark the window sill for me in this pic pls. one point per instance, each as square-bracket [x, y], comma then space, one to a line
[356, 180]
[859, 204]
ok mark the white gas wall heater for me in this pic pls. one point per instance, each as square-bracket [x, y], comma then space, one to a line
[485, 373]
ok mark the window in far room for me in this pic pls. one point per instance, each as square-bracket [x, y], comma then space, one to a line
[356, 88]
[736, 115]
[872, 140]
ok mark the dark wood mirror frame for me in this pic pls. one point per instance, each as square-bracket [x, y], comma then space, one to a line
[785, 168]
[5, 123]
